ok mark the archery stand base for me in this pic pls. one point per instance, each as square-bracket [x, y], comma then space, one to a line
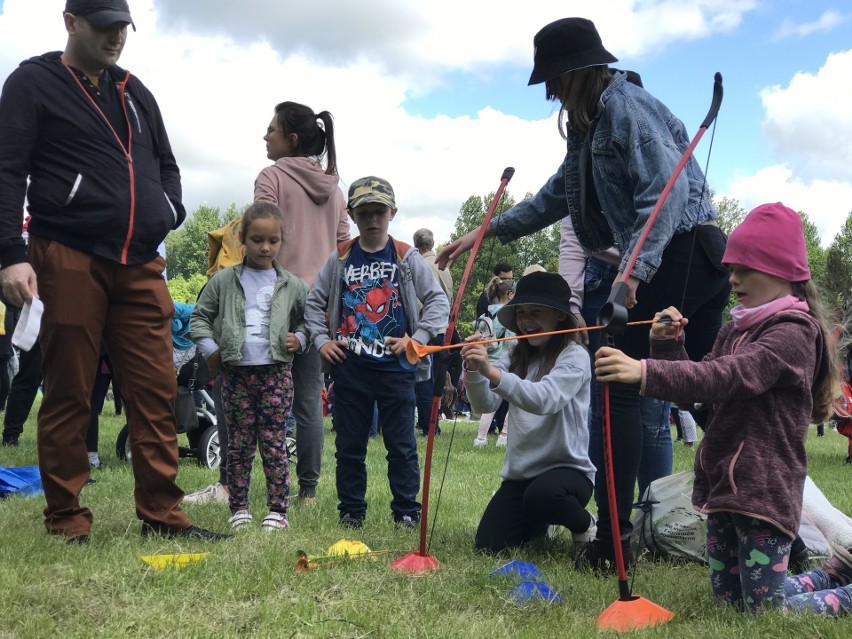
[416, 562]
[634, 612]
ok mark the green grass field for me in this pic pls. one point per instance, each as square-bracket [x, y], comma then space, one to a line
[247, 587]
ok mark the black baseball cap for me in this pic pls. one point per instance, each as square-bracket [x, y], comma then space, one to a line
[101, 14]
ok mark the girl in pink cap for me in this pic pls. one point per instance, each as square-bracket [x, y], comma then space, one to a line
[770, 374]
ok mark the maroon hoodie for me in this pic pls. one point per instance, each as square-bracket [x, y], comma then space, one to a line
[759, 386]
[315, 209]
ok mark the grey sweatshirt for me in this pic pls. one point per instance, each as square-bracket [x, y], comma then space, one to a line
[547, 419]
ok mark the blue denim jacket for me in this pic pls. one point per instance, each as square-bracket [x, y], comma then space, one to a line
[636, 143]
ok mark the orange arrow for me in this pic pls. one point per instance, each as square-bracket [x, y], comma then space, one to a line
[414, 351]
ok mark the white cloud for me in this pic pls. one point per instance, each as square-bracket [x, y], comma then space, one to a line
[826, 22]
[826, 202]
[218, 67]
[808, 124]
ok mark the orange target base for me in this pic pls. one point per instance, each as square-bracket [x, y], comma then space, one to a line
[632, 614]
[416, 562]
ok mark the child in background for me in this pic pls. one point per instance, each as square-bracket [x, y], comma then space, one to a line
[361, 313]
[248, 322]
[499, 291]
[769, 375]
[547, 475]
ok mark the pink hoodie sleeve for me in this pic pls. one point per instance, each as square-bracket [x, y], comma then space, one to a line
[572, 263]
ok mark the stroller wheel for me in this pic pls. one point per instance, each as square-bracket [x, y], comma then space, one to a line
[209, 454]
[122, 444]
[291, 447]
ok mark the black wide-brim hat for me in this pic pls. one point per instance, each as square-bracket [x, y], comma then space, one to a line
[567, 45]
[545, 289]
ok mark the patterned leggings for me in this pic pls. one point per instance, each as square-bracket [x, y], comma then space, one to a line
[748, 568]
[257, 401]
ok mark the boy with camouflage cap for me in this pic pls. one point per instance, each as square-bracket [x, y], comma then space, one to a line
[361, 312]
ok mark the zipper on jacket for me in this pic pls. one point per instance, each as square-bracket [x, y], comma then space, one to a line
[126, 150]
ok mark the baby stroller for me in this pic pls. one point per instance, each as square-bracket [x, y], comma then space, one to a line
[194, 392]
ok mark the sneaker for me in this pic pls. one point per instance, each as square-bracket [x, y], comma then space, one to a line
[502, 441]
[213, 494]
[240, 519]
[190, 532]
[81, 540]
[598, 556]
[94, 461]
[479, 442]
[406, 521]
[587, 537]
[275, 521]
[839, 565]
[351, 521]
[10, 440]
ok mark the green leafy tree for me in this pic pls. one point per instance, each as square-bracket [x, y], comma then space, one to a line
[186, 248]
[186, 290]
[730, 213]
[539, 248]
[836, 284]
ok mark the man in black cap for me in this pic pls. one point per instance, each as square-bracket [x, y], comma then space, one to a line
[103, 191]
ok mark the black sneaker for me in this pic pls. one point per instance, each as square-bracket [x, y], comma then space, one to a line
[192, 532]
[598, 556]
[81, 540]
[10, 440]
[351, 521]
[406, 521]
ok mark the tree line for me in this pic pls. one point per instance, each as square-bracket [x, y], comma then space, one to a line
[186, 252]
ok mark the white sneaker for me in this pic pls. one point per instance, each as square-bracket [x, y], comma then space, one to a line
[275, 521]
[240, 518]
[479, 442]
[583, 538]
[502, 441]
[213, 494]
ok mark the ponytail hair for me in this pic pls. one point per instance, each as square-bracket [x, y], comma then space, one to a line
[497, 289]
[826, 387]
[312, 140]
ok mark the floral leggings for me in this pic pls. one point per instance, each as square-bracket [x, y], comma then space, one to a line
[748, 568]
[257, 402]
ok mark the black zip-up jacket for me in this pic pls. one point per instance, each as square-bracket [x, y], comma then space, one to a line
[86, 190]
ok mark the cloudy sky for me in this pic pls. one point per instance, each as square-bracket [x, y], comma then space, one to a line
[433, 95]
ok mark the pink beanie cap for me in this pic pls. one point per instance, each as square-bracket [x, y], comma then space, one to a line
[770, 239]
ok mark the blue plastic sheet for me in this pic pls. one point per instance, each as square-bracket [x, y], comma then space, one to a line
[20, 480]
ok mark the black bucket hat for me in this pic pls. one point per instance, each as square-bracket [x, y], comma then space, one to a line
[545, 289]
[567, 45]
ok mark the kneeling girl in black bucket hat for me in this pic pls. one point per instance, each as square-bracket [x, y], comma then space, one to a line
[547, 474]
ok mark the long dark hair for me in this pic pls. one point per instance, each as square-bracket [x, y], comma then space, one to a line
[586, 85]
[826, 388]
[523, 353]
[312, 140]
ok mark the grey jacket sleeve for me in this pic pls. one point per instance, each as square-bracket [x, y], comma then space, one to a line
[436, 307]
[206, 309]
[316, 305]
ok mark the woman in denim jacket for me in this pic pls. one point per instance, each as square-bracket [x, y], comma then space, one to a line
[623, 145]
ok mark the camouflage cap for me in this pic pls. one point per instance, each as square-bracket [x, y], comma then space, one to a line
[371, 189]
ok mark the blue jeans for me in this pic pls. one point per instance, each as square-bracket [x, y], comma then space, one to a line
[656, 434]
[356, 388]
[691, 277]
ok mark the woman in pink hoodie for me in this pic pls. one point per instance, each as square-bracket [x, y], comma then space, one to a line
[298, 140]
